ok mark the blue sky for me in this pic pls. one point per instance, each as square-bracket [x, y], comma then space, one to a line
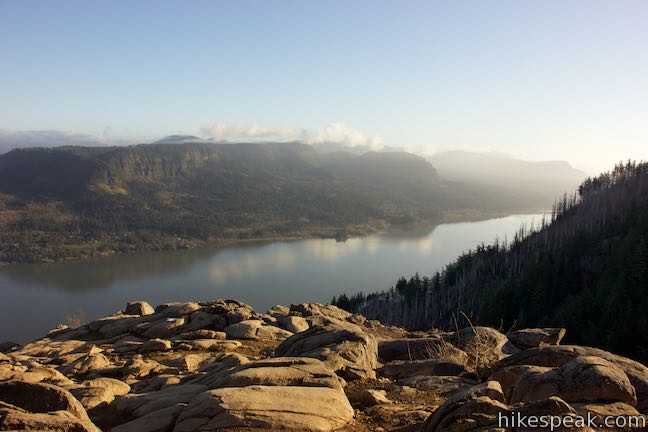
[535, 79]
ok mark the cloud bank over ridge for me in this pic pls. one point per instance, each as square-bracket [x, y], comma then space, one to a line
[334, 133]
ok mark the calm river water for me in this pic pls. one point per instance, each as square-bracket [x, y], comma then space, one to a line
[37, 297]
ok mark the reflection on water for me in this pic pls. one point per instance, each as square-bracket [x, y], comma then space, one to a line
[37, 297]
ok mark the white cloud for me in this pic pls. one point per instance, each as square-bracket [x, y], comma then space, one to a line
[335, 133]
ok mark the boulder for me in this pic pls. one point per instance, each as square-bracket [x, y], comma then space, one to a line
[558, 355]
[139, 308]
[636, 422]
[41, 398]
[113, 326]
[370, 397]
[238, 315]
[139, 367]
[156, 345]
[177, 309]
[317, 309]
[156, 421]
[470, 409]
[163, 329]
[86, 364]
[36, 373]
[114, 386]
[583, 379]
[278, 311]
[536, 337]
[508, 376]
[280, 371]
[255, 329]
[136, 405]
[16, 420]
[128, 344]
[212, 374]
[293, 324]
[267, 407]
[91, 397]
[342, 346]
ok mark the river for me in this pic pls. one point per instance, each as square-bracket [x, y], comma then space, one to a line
[37, 297]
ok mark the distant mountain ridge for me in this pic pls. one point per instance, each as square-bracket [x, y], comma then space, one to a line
[78, 201]
[549, 178]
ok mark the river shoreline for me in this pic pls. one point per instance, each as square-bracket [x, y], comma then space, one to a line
[338, 233]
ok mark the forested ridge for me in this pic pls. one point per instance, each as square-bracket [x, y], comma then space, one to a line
[75, 202]
[584, 267]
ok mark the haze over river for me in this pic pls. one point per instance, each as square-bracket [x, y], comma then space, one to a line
[37, 297]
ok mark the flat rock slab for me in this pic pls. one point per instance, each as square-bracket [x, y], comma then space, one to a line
[265, 407]
[281, 371]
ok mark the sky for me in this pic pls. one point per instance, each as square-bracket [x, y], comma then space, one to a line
[559, 80]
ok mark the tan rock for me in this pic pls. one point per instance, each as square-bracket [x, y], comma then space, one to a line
[41, 398]
[115, 386]
[213, 345]
[536, 337]
[139, 308]
[163, 329]
[293, 324]
[558, 355]
[11, 420]
[278, 311]
[86, 364]
[255, 329]
[138, 368]
[212, 373]
[116, 325]
[508, 376]
[267, 407]
[281, 371]
[136, 405]
[188, 362]
[238, 315]
[156, 421]
[342, 346]
[156, 345]
[177, 309]
[91, 397]
[473, 408]
[315, 309]
[370, 397]
[583, 379]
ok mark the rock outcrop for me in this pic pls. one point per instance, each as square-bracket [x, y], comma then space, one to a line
[221, 366]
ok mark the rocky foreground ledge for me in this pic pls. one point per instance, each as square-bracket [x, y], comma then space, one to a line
[221, 366]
